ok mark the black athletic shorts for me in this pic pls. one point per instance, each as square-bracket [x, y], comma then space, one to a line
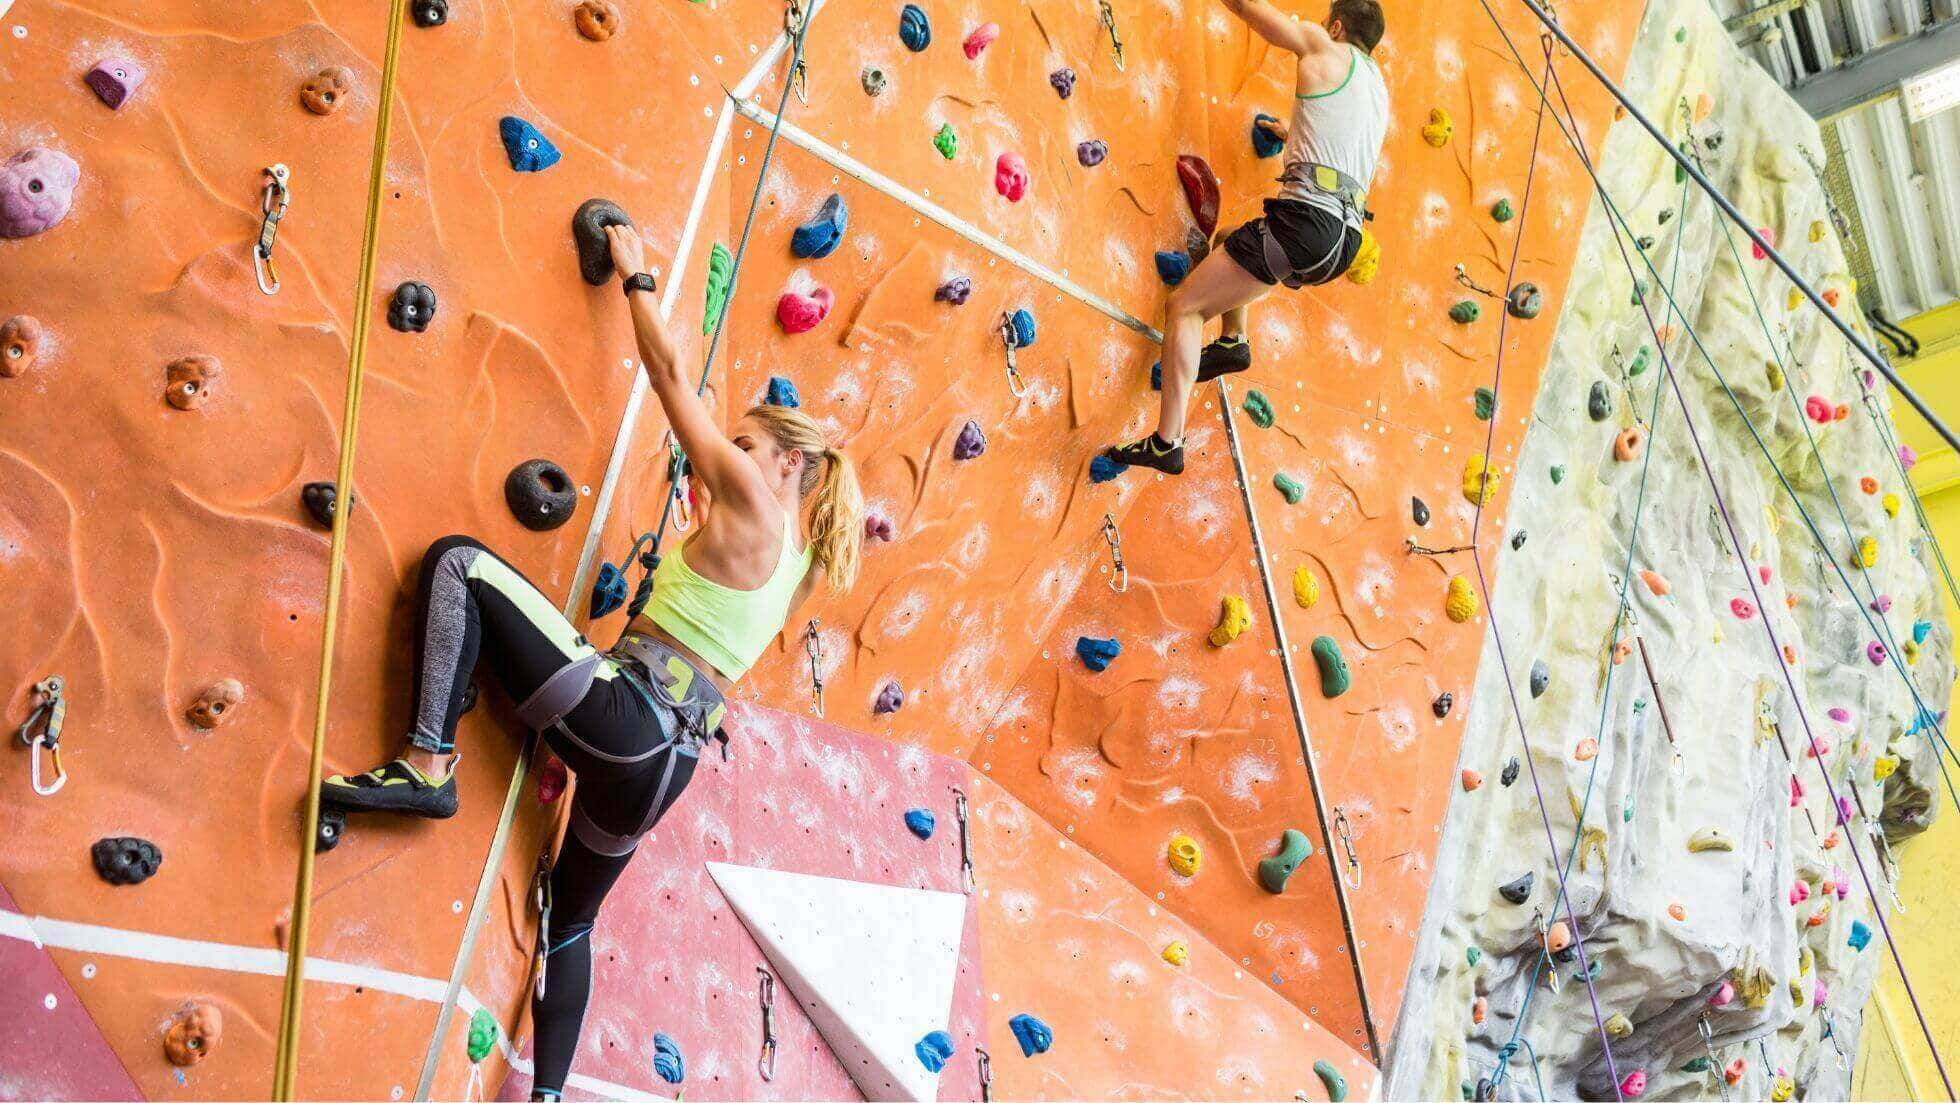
[1317, 244]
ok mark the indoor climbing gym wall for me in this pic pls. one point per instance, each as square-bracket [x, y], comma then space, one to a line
[1730, 661]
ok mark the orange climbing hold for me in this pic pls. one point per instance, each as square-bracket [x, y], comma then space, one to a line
[1868, 484]
[1558, 937]
[1587, 750]
[1479, 1010]
[1472, 781]
[1656, 585]
[1627, 446]
[1677, 912]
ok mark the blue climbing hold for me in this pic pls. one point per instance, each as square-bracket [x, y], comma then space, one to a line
[1157, 376]
[1032, 1033]
[1264, 142]
[1173, 265]
[913, 30]
[1095, 653]
[1022, 323]
[608, 590]
[1102, 469]
[920, 822]
[782, 392]
[526, 146]
[1861, 935]
[934, 1050]
[1920, 630]
[818, 237]
[668, 1063]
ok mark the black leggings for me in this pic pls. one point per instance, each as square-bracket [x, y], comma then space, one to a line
[474, 604]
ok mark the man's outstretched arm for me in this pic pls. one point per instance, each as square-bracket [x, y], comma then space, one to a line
[1295, 35]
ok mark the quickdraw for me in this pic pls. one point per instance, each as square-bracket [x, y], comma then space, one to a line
[794, 21]
[274, 198]
[541, 899]
[1119, 574]
[1887, 864]
[986, 1063]
[1545, 949]
[766, 1064]
[813, 644]
[1418, 549]
[1016, 384]
[680, 482]
[1660, 706]
[1352, 875]
[1109, 24]
[1463, 277]
[1707, 1033]
[50, 712]
[966, 850]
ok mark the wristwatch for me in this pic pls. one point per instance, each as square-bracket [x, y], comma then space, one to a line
[639, 281]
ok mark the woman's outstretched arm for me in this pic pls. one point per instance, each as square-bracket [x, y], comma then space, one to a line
[728, 474]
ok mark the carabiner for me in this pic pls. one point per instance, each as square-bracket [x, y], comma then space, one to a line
[541, 899]
[813, 645]
[1463, 277]
[42, 730]
[1109, 24]
[966, 850]
[1016, 385]
[1352, 875]
[1119, 574]
[986, 1063]
[274, 198]
[766, 1064]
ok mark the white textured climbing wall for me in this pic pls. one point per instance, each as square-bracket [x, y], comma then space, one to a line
[1714, 873]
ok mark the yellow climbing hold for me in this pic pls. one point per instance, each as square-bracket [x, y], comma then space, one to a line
[1618, 1025]
[1891, 504]
[1883, 765]
[1775, 373]
[1461, 603]
[1796, 996]
[1796, 299]
[1912, 652]
[1479, 484]
[1367, 260]
[1185, 857]
[1817, 231]
[1784, 1090]
[1806, 957]
[1306, 588]
[1177, 953]
[1710, 838]
[1233, 619]
[1440, 127]
[1754, 984]
[1868, 552]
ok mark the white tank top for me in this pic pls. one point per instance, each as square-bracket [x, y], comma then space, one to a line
[1342, 129]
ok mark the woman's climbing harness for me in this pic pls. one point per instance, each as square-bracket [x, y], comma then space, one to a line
[275, 196]
[41, 731]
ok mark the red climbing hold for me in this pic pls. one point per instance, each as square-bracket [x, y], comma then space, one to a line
[1200, 190]
[1767, 234]
[552, 779]
[1011, 176]
[1742, 608]
[981, 37]
[800, 313]
[1819, 409]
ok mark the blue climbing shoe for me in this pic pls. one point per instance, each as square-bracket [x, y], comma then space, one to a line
[1153, 452]
[396, 787]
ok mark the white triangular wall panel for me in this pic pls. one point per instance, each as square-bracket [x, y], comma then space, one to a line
[873, 966]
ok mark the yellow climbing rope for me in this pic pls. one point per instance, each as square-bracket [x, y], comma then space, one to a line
[286, 1064]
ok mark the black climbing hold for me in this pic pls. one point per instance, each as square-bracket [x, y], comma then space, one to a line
[1517, 540]
[1441, 705]
[589, 233]
[412, 308]
[1667, 215]
[1525, 301]
[954, 291]
[1063, 81]
[125, 860]
[1541, 678]
[541, 496]
[430, 13]
[1510, 773]
[1419, 510]
[1484, 403]
[1645, 242]
[326, 835]
[469, 696]
[913, 29]
[1518, 891]
[1599, 402]
[319, 498]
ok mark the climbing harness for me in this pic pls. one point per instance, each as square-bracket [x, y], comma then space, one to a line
[766, 993]
[986, 1063]
[813, 645]
[274, 198]
[1345, 832]
[50, 711]
[966, 850]
[1119, 574]
[1336, 185]
[1108, 17]
[1015, 383]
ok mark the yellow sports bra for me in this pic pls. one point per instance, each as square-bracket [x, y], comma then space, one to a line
[729, 628]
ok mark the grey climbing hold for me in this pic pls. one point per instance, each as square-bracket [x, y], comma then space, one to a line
[873, 79]
[589, 234]
[1419, 511]
[1510, 773]
[1442, 704]
[412, 308]
[971, 442]
[540, 495]
[1517, 540]
[320, 500]
[125, 860]
[1541, 678]
[1525, 301]
[1518, 891]
[1599, 401]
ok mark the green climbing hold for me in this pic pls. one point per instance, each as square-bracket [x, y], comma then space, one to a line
[720, 267]
[1274, 871]
[1640, 361]
[483, 1035]
[1330, 1076]
[1680, 34]
[1468, 1091]
[947, 142]
[1465, 312]
[1334, 678]
[1696, 1064]
[1558, 473]
[1502, 212]
[1259, 409]
[1288, 486]
[1473, 955]
[1486, 403]
[1639, 293]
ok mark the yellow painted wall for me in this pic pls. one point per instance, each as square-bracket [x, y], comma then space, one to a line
[1894, 1062]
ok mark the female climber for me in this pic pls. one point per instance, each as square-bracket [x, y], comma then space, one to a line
[1311, 231]
[630, 722]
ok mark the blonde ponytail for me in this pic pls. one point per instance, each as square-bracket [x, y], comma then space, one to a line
[837, 514]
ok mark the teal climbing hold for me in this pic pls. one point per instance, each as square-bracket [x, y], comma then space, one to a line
[1288, 486]
[1331, 1076]
[1485, 403]
[818, 237]
[668, 1064]
[913, 28]
[782, 392]
[1558, 473]
[1920, 630]
[1696, 1065]
[1334, 677]
[1096, 654]
[1172, 266]
[526, 146]
[934, 1050]
[946, 142]
[1266, 143]
[1501, 211]
[1259, 408]
[1032, 1033]
[1861, 935]
[721, 267]
[608, 591]
[1639, 293]
[1275, 871]
[1102, 469]
[1465, 312]
[1473, 955]
[1641, 360]
[1021, 323]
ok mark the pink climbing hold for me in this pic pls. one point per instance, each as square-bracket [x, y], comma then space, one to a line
[1820, 995]
[1907, 457]
[1011, 176]
[1799, 892]
[1820, 409]
[1844, 816]
[114, 80]
[1882, 604]
[552, 780]
[798, 313]
[1634, 1084]
[982, 37]
[1742, 608]
[1796, 791]
[1843, 884]
[1723, 995]
[37, 187]
[1839, 713]
[1768, 235]
[1819, 747]
[1875, 651]
[1763, 573]
[877, 526]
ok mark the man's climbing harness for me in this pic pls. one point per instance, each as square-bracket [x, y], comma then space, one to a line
[966, 848]
[274, 198]
[766, 993]
[41, 731]
[1119, 574]
[1115, 41]
[1016, 385]
[1345, 832]
[813, 646]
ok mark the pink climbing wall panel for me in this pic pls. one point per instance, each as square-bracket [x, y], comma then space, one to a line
[54, 1050]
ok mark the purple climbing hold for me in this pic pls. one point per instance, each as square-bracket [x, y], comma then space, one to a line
[954, 291]
[1063, 81]
[971, 441]
[890, 699]
[37, 187]
[1091, 152]
[115, 79]
[877, 526]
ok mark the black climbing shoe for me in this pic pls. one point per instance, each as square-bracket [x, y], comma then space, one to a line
[1225, 356]
[396, 787]
[1151, 452]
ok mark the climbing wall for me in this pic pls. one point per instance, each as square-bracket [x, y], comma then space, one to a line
[173, 552]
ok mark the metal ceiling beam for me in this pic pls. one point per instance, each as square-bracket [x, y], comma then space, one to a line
[1876, 75]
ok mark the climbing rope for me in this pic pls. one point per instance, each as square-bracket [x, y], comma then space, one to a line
[286, 1060]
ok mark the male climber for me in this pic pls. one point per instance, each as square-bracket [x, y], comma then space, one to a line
[1311, 230]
